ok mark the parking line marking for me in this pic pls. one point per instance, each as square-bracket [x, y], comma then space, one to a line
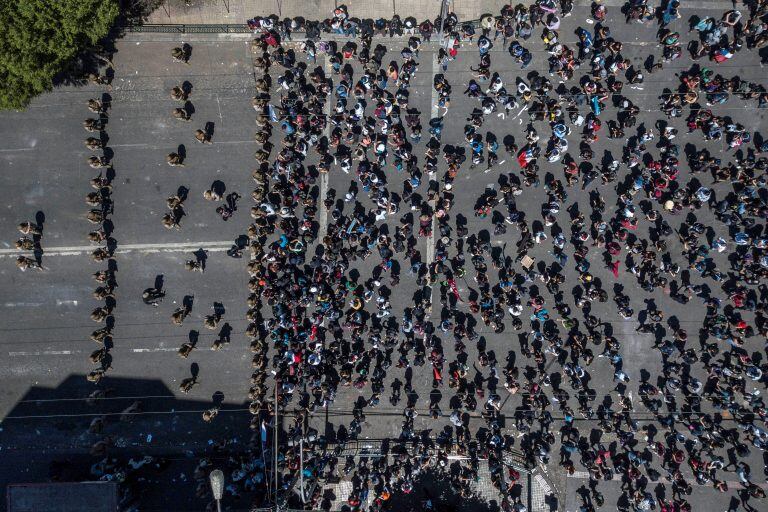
[155, 349]
[323, 228]
[42, 353]
[433, 203]
[77, 250]
[37, 353]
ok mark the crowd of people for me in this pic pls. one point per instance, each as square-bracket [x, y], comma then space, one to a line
[325, 335]
[317, 326]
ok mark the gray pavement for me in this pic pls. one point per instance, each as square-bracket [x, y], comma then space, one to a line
[237, 11]
[45, 324]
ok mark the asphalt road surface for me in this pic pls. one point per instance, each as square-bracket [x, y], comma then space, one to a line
[45, 323]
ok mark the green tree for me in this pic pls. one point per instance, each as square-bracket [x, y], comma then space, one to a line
[40, 38]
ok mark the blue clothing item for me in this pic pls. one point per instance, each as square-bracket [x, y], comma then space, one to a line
[705, 25]
[527, 58]
[272, 113]
[595, 104]
[286, 128]
[670, 13]
[587, 41]
[718, 97]
[742, 238]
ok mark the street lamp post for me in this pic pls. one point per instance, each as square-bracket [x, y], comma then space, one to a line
[217, 486]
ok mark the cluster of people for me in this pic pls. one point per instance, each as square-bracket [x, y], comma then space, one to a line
[101, 209]
[325, 335]
[31, 238]
[317, 326]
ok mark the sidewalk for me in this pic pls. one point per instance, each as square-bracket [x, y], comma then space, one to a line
[238, 11]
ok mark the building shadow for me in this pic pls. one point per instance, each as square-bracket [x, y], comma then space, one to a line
[436, 486]
[61, 433]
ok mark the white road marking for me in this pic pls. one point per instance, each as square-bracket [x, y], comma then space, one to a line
[13, 150]
[543, 483]
[66, 302]
[525, 107]
[218, 104]
[42, 353]
[155, 349]
[158, 146]
[39, 353]
[22, 304]
[323, 228]
[141, 145]
[77, 250]
[583, 475]
[433, 203]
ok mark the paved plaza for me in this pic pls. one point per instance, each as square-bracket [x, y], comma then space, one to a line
[45, 325]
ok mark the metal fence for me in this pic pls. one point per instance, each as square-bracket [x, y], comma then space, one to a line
[183, 28]
[375, 448]
[199, 28]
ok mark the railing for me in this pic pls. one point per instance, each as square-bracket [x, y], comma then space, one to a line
[374, 448]
[183, 28]
[223, 28]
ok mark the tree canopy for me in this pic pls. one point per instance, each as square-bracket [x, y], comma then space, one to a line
[39, 39]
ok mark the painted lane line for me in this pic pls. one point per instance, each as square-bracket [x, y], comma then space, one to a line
[38, 353]
[155, 349]
[323, 228]
[584, 475]
[146, 145]
[14, 150]
[43, 353]
[432, 203]
[217, 246]
[218, 104]
[139, 145]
